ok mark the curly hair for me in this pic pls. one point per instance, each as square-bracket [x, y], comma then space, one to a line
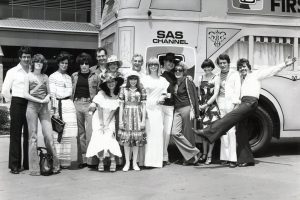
[183, 66]
[63, 56]
[39, 58]
[240, 63]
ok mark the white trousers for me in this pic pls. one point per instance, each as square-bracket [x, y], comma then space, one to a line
[168, 113]
[228, 141]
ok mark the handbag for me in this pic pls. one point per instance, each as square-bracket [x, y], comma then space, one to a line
[192, 110]
[58, 124]
[46, 162]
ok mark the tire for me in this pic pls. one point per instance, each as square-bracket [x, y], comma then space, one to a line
[261, 126]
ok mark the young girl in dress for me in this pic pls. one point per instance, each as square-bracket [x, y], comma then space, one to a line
[103, 141]
[132, 118]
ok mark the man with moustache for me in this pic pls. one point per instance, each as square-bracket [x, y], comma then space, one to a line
[250, 90]
[85, 87]
[13, 91]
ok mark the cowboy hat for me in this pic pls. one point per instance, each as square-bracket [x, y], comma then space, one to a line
[170, 57]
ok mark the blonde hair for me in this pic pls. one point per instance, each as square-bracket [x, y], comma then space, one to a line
[153, 61]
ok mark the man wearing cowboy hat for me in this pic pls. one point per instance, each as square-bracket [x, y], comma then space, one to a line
[168, 63]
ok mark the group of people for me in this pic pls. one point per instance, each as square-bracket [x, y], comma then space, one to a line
[112, 113]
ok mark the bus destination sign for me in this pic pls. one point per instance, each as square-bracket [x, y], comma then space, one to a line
[265, 7]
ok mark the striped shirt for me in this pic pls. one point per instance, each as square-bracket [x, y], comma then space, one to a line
[60, 87]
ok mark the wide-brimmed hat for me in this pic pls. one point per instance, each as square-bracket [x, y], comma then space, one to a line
[132, 73]
[170, 57]
[112, 59]
[109, 77]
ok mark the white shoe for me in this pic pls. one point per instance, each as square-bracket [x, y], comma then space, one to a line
[136, 167]
[125, 168]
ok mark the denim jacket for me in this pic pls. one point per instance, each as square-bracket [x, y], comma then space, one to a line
[94, 82]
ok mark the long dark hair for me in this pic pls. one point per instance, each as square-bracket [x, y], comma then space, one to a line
[138, 85]
[116, 90]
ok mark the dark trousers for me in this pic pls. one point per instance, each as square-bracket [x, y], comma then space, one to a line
[221, 126]
[18, 124]
[243, 151]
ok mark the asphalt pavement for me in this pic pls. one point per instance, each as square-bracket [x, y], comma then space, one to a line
[275, 176]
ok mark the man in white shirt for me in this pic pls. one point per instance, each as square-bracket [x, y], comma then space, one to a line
[13, 91]
[250, 90]
[137, 62]
[228, 98]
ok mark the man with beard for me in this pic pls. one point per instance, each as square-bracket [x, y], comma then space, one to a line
[250, 90]
[13, 90]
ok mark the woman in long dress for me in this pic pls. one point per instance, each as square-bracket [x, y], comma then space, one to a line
[103, 141]
[132, 118]
[209, 90]
[156, 88]
[60, 84]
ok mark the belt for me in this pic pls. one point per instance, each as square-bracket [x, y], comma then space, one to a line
[83, 99]
[63, 98]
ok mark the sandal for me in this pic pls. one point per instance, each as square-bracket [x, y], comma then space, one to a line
[113, 166]
[203, 158]
[101, 166]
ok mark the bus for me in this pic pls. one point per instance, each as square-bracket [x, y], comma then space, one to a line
[263, 31]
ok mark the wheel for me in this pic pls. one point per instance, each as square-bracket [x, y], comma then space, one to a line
[261, 126]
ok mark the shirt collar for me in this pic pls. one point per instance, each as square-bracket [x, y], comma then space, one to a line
[20, 68]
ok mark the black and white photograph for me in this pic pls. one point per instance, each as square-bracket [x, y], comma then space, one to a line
[149, 99]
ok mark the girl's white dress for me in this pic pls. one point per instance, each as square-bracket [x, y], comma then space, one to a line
[104, 140]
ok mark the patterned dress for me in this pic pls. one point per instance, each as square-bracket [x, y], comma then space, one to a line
[212, 112]
[61, 88]
[132, 102]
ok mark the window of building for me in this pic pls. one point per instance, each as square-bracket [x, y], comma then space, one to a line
[59, 10]
[36, 13]
[186, 5]
[239, 49]
[270, 51]
[5, 9]
[67, 15]
[130, 4]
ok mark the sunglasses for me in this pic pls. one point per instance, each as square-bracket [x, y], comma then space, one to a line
[178, 70]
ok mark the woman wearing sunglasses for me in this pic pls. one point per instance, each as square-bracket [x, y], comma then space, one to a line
[186, 109]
